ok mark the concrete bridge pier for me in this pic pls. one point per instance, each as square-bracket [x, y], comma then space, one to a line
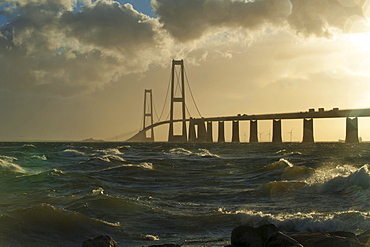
[308, 130]
[202, 132]
[177, 138]
[276, 130]
[235, 135]
[221, 131]
[352, 130]
[253, 131]
[199, 135]
[192, 134]
[209, 131]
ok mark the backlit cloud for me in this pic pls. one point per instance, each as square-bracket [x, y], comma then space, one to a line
[48, 48]
[187, 20]
[68, 47]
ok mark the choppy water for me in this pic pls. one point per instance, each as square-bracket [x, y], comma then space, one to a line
[60, 194]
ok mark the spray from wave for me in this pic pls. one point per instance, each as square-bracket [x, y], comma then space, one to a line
[7, 165]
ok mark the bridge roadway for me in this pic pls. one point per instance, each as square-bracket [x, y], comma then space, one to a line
[334, 113]
[309, 115]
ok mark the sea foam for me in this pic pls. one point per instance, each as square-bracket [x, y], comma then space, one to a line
[307, 222]
[340, 178]
[7, 165]
[359, 178]
[72, 152]
[201, 152]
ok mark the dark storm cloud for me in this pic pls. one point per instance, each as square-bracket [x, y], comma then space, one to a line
[187, 20]
[110, 25]
[48, 49]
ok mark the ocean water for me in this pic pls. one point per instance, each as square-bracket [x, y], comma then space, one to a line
[141, 194]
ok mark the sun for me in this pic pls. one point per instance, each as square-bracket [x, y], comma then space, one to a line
[360, 40]
[358, 32]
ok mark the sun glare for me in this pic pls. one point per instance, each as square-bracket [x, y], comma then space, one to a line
[358, 31]
[361, 40]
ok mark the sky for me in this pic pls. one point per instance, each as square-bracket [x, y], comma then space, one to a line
[77, 69]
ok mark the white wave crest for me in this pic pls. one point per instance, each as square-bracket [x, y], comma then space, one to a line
[41, 157]
[6, 164]
[206, 153]
[113, 151]
[282, 163]
[334, 179]
[151, 237]
[72, 152]
[146, 165]
[113, 158]
[359, 178]
[56, 172]
[98, 191]
[124, 147]
[200, 152]
[180, 151]
[28, 146]
[308, 222]
[8, 158]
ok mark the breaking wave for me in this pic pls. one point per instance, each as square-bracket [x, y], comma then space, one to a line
[110, 151]
[340, 178]
[201, 152]
[7, 165]
[72, 152]
[41, 157]
[308, 222]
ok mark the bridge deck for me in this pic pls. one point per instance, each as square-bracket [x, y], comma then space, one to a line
[321, 113]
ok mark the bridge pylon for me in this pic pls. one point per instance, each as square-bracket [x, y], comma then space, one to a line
[148, 114]
[142, 135]
[177, 99]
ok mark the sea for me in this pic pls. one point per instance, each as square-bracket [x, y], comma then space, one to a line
[191, 194]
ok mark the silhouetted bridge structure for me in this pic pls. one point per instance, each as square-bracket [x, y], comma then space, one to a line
[201, 129]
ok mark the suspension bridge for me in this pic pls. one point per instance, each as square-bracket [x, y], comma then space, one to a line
[200, 129]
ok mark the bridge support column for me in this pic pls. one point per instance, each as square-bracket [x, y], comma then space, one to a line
[308, 130]
[201, 134]
[235, 136]
[209, 131]
[276, 130]
[253, 131]
[352, 130]
[192, 134]
[221, 131]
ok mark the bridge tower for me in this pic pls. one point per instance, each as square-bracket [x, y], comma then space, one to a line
[148, 114]
[178, 99]
[142, 136]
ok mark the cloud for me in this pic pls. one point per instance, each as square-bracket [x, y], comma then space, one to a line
[49, 49]
[111, 26]
[57, 47]
[191, 19]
